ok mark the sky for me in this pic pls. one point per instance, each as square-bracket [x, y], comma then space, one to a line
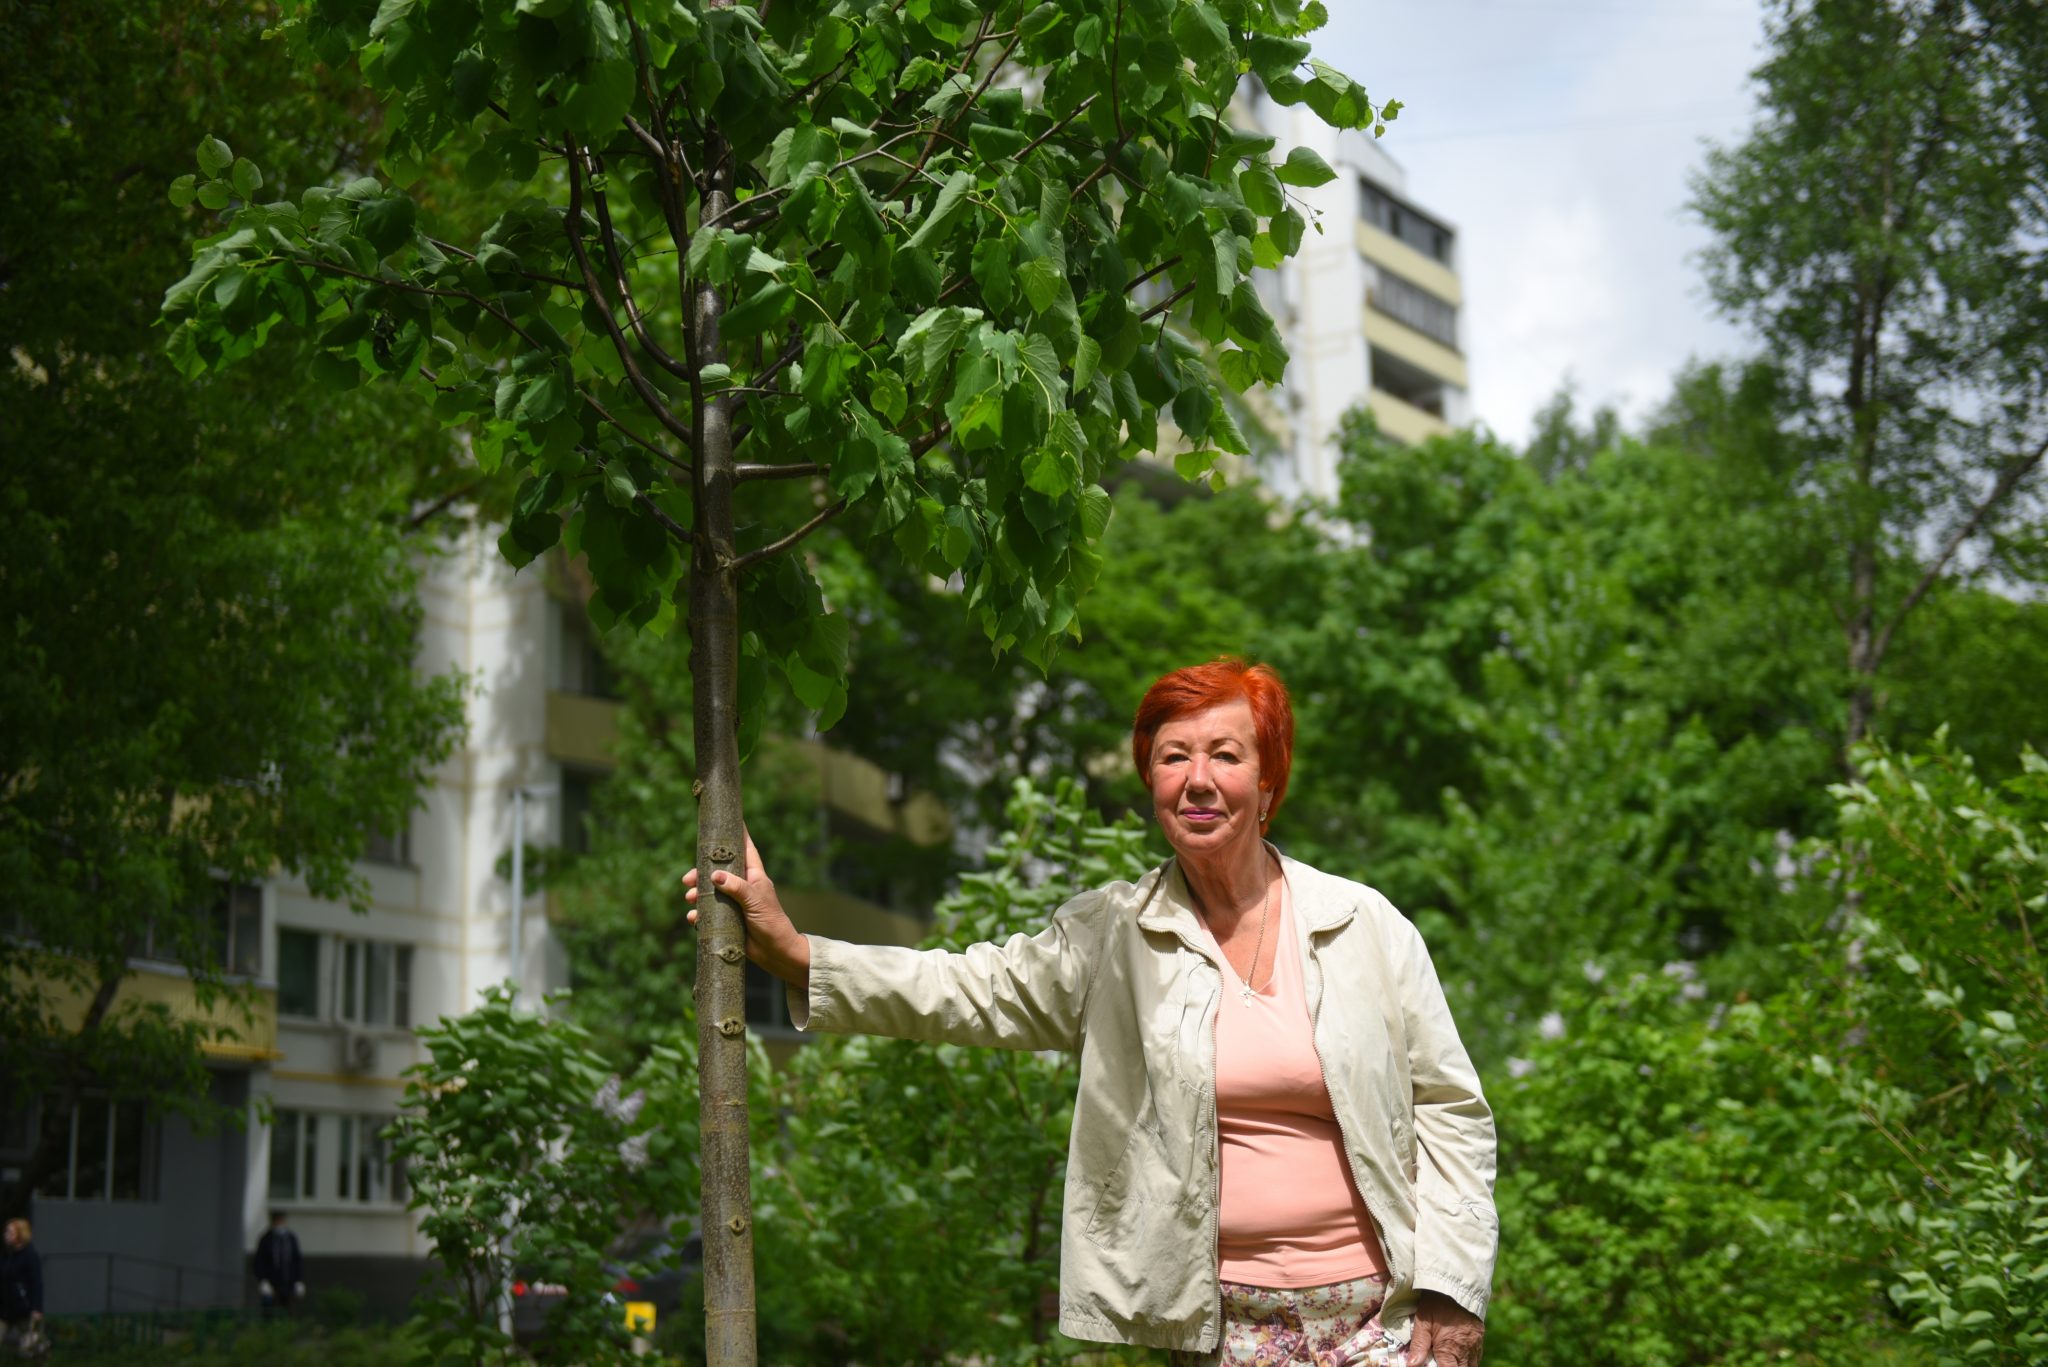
[1557, 137]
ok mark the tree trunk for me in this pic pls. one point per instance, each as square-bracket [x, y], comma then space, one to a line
[727, 1209]
[53, 1144]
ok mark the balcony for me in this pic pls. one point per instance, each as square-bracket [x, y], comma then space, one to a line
[1411, 347]
[1403, 421]
[582, 729]
[234, 1039]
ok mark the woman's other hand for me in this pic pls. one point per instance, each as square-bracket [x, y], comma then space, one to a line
[1446, 1330]
[772, 941]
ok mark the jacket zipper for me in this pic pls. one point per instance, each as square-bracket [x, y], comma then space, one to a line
[1315, 1021]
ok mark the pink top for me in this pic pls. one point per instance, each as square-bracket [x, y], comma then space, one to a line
[1291, 1214]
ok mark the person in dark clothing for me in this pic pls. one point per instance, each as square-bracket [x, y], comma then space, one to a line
[21, 1292]
[280, 1267]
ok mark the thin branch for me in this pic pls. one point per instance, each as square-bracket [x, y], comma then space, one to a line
[929, 440]
[668, 524]
[775, 548]
[626, 300]
[436, 291]
[1168, 303]
[744, 472]
[535, 276]
[439, 505]
[776, 366]
[605, 415]
[1168, 264]
[2008, 480]
[649, 395]
[764, 200]
[1054, 131]
[1109, 155]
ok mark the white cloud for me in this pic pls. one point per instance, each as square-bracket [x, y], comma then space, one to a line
[1558, 139]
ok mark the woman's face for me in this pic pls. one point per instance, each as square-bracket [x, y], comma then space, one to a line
[1205, 780]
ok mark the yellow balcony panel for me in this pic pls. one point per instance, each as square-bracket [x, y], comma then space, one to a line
[234, 1037]
[1403, 421]
[860, 789]
[838, 916]
[1411, 346]
[1384, 249]
[582, 730]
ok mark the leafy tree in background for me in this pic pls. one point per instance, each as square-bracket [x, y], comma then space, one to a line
[209, 588]
[1881, 231]
[762, 244]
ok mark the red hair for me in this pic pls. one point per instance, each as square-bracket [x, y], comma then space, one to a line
[1198, 688]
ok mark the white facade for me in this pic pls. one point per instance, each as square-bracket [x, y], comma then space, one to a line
[437, 932]
[1370, 317]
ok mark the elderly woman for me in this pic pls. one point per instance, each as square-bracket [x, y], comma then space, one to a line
[1280, 1152]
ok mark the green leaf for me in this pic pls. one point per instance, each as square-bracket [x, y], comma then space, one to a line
[183, 190]
[1043, 282]
[247, 179]
[388, 14]
[1042, 367]
[1261, 189]
[387, 222]
[758, 311]
[214, 156]
[946, 209]
[1200, 33]
[469, 84]
[1051, 470]
[599, 102]
[888, 396]
[1095, 511]
[992, 143]
[214, 194]
[1087, 357]
[1303, 167]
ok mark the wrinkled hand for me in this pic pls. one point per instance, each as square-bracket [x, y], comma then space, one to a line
[1447, 1330]
[772, 941]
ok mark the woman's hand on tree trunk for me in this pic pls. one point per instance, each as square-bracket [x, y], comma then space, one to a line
[773, 941]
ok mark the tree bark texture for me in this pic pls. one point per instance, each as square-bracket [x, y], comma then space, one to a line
[727, 1208]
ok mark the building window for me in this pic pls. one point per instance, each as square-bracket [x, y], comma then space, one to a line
[374, 982]
[364, 1170]
[298, 974]
[1397, 220]
[225, 934]
[767, 1002]
[393, 848]
[579, 795]
[111, 1154]
[584, 668]
[1407, 302]
[367, 1172]
[294, 1155]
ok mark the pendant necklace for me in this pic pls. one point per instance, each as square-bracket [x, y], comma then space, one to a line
[1245, 990]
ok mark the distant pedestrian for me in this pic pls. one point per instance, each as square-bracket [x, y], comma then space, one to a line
[280, 1267]
[21, 1294]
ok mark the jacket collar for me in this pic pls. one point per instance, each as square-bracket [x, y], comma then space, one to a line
[1321, 903]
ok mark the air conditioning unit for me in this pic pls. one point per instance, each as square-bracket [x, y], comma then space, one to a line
[358, 1051]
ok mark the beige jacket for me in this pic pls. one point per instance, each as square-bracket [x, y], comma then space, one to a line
[1127, 976]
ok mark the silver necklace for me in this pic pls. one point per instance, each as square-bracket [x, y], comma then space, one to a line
[1245, 990]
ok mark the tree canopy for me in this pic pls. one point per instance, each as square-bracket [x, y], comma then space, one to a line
[209, 587]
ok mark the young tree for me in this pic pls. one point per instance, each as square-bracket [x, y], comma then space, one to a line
[890, 249]
[1882, 228]
[209, 589]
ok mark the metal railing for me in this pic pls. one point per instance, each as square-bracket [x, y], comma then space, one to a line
[191, 1288]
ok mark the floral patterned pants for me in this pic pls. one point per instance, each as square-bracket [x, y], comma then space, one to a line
[1301, 1326]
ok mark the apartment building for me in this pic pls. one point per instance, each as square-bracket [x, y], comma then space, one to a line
[1371, 308]
[150, 1214]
